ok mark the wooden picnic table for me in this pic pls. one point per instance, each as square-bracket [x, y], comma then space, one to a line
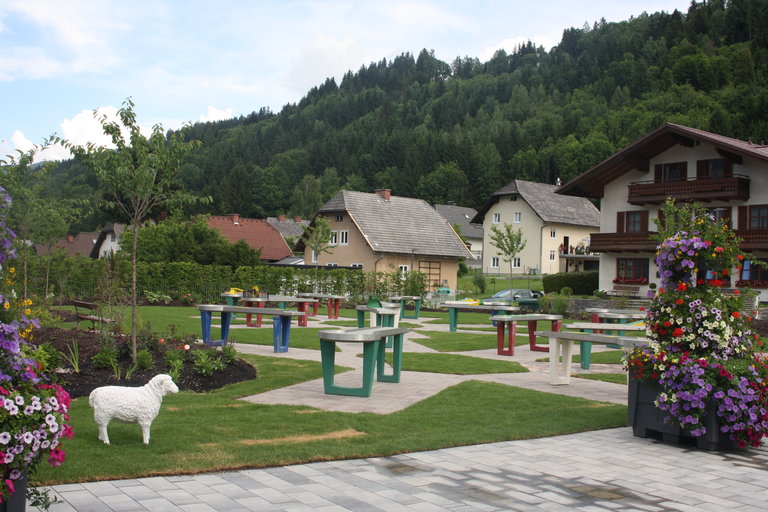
[403, 299]
[334, 303]
[374, 349]
[281, 322]
[509, 322]
[561, 350]
[281, 301]
[454, 307]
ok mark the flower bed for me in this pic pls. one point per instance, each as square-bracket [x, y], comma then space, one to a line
[703, 352]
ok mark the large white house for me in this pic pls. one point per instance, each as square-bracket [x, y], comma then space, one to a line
[552, 225]
[727, 176]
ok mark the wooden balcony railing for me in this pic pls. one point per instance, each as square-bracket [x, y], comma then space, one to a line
[620, 242]
[753, 239]
[730, 188]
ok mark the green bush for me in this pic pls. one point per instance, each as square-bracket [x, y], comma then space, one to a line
[581, 283]
[144, 359]
[106, 357]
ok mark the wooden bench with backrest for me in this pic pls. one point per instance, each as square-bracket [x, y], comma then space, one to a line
[91, 312]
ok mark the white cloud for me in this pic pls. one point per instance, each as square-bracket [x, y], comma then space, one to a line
[215, 114]
[322, 57]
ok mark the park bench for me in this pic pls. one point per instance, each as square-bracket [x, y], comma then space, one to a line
[374, 349]
[91, 312]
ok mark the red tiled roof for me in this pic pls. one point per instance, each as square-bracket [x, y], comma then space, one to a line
[257, 233]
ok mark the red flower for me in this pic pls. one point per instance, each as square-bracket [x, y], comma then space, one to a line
[736, 292]
[679, 301]
[736, 314]
[681, 287]
[719, 249]
[667, 323]
[725, 272]
[739, 257]
[677, 332]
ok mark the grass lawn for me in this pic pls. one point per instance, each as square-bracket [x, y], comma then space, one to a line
[214, 431]
[455, 364]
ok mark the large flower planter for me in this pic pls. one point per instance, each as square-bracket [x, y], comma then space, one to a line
[17, 502]
[648, 421]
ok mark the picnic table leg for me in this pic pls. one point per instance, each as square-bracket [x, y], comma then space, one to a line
[303, 308]
[385, 321]
[328, 355]
[315, 306]
[281, 333]
[333, 309]
[532, 335]
[453, 318]
[397, 360]
[205, 318]
[416, 308]
[260, 318]
[226, 319]
[360, 319]
[500, 332]
[560, 355]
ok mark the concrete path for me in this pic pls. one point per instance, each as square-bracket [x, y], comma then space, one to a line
[603, 470]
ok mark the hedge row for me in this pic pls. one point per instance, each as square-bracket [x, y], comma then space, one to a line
[582, 283]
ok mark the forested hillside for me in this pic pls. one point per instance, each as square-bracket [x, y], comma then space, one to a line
[459, 131]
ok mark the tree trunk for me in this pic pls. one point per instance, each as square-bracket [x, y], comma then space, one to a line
[134, 305]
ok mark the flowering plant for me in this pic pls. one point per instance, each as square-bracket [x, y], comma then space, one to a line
[702, 349]
[33, 408]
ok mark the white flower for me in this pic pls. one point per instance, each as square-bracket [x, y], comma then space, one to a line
[5, 437]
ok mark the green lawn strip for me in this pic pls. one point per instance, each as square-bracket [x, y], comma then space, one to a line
[605, 357]
[458, 341]
[213, 432]
[616, 378]
[455, 364]
[353, 323]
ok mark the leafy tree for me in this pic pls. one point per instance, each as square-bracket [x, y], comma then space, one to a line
[318, 238]
[138, 177]
[508, 242]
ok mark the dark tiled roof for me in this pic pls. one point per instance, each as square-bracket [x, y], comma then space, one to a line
[80, 244]
[399, 225]
[637, 156]
[257, 233]
[288, 227]
[548, 205]
[461, 216]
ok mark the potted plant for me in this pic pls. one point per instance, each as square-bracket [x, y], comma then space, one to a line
[701, 377]
[33, 408]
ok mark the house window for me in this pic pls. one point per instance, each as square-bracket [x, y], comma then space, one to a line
[758, 217]
[635, 221]
[497, 218]
[553, 233]
[516, 262]
[334, 238]
[113, 237]
[344, 237]
[631, 270]
[513, 198]
[552, 255]
[314, 256]
[721, 214]
[403, 269]
[676, 171]
[518, 218]
[332, 265]
[432, 270]
[495, 262]
[753, 274]
[356, 265]
[713, 168]
[339, 218]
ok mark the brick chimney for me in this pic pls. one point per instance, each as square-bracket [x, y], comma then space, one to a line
[235, 218]
[70, 238]
[281, 218]
[297, 219]
[385, 193]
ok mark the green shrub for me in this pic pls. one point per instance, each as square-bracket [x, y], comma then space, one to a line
[560, 305]
[228, 354]
[566, 291]
[581, 283]
[206, 362]
[106, 357]
[144, 359]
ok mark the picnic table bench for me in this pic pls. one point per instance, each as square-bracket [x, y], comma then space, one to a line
[599, 328]
[561, 350]
[91, 312]
[374, 349]
[454, 307]
[334, 303]
[504, 322]
[281, 323]
[281, 301]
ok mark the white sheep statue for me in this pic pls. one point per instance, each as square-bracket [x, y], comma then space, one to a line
[132, 405]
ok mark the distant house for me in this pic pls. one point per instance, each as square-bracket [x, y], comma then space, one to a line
[108, 241]
[383, 233]
[81, 244]
[727, 176]
[472, 234]
[257, 233]
[553, 226]
[290, 229]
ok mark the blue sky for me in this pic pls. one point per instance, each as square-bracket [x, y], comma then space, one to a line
[195, 60]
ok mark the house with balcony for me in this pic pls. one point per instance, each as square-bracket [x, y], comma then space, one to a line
[727, 176]
[380, 232]
[554, 227]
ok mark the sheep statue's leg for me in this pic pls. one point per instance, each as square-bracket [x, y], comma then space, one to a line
[145, 431]
[103, 433]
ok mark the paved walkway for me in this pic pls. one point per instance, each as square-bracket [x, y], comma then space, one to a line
[592, 471]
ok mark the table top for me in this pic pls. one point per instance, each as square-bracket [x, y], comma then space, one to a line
[637, 315]
[277, 298]
[609, 310]
[224, 308]
[534, 316]
[405, 297]
[604, 339]
[605, 327]
[379, 311]
[479, 308]
[321, 296]
[362, 334]
[227, 294]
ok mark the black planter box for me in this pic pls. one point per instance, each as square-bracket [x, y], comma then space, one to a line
[648, 421]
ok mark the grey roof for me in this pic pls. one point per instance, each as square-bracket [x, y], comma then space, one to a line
[288, 227]
[461, 216]
[399, 225]
[548, 205]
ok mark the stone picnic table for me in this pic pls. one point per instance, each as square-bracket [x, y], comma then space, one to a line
[599, 328]
[509, 322]
[561, 350]
[302, 304]
[281, 323]
[334, 303]
[454, 307]
[403, 299]
[374, 350]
